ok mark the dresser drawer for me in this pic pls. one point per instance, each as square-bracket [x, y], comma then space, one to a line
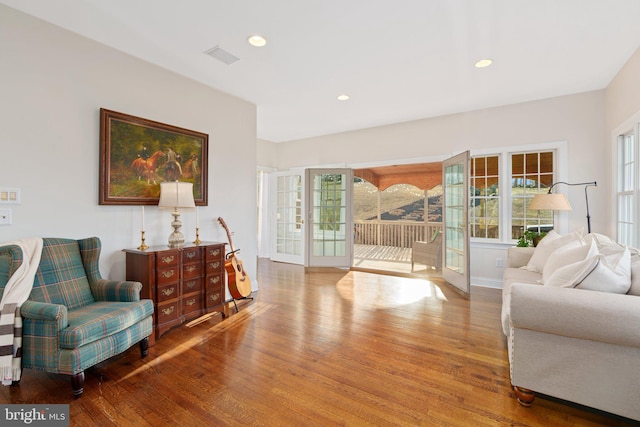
[213, 298]
[167, 259]
[214, 267]
[191, 303]
[168, 311]
[214, 282]
[215, 252]
[190, 255]
[191, 270]
[192, 285]
[167, 292]
[168, 275]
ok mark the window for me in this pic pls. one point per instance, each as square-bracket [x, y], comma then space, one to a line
[531, 173]
[504, 215]
[484, 212]
[627, 189]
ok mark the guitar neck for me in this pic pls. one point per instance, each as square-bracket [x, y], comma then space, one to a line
[226, 229]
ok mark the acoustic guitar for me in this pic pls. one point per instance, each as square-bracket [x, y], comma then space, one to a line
[239, 283]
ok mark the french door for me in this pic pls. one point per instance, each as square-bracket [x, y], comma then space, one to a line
[329, 217]
[287, 223]
[455, 182]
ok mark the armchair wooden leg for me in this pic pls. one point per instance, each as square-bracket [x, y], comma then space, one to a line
[144, 347]
[77, 384]
[524, 396]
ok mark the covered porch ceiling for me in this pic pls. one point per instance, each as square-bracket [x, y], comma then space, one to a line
[425, 176]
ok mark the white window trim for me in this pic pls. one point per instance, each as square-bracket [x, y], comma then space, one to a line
[631, 125]
[560, 167]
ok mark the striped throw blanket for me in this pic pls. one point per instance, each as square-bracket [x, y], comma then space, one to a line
[15, 293]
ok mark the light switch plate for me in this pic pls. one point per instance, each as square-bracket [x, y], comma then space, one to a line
[9, 196]
[5, 216]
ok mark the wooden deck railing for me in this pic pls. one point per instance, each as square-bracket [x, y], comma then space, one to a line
[400, 234]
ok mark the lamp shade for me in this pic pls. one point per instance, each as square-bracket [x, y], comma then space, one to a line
[550, 201]
[176, 195]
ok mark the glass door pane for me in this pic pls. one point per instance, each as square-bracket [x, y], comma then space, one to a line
[287, 225]
[330, 239]
[455, 269]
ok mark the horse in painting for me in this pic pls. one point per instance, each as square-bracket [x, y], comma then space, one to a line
[147, 168]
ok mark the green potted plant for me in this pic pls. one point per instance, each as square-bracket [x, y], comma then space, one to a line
[530, 238]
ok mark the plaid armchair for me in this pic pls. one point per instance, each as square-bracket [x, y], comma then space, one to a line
[74, 318]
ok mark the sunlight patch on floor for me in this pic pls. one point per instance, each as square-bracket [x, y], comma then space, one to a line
[248, 313]
[379, 292]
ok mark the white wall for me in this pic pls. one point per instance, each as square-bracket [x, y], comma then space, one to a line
[622, 112]
[623, 93]
[577, 119]
[52, 87]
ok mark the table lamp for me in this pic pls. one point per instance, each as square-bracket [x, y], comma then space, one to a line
[176, 195]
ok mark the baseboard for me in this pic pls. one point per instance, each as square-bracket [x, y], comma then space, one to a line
[486, 282]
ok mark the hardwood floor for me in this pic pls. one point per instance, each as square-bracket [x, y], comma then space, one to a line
[318, 349]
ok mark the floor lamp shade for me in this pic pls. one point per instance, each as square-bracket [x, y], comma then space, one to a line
[176, 195]
[559, 202]
[550, 201]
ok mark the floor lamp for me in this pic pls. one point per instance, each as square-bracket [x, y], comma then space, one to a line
[559, 202]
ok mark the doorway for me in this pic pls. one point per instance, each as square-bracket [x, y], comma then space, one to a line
[395, 207]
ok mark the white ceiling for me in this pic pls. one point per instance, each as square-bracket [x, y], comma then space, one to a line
[399, 60]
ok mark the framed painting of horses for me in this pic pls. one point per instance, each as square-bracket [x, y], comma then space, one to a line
[137, 154]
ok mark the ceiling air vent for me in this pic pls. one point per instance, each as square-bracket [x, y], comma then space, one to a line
[222, 55]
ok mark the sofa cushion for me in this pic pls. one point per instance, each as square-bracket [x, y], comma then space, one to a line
[612, 272]
[512, 275]
[101, 319]
[548, 245]
[571, 275]
[601, 240]
[567, 255]
[568, 266]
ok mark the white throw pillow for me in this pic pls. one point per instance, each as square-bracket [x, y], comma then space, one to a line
[550, 243]
[566, 255]
[571, 275]
[635, 273]
[612, 273]
[601, 240]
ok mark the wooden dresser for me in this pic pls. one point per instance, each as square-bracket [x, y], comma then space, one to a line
[184, 283]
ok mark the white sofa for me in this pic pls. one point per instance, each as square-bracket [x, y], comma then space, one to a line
[574, 344]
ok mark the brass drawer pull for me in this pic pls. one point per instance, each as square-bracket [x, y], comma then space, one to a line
[168, 259]
[214, 252]
[168, 273]
[168, 291]
[214, 280]
[191, 284]
[214, 297]
[191, 301]
[214, 265]
[190, 254]
[191, 268]
[168, 311]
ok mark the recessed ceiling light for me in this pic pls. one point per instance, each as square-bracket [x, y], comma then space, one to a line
[484, 63]
[343, 97]
[257, 41]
